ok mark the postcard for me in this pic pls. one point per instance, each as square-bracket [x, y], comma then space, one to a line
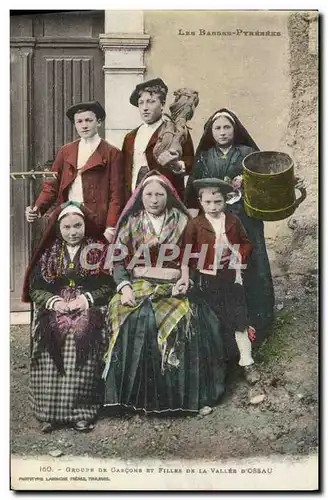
[164, 235]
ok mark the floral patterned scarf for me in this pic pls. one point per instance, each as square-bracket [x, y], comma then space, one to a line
[55, 261]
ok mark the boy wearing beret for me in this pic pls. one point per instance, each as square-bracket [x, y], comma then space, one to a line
[89, 170]
[225, 250]
[138, 146]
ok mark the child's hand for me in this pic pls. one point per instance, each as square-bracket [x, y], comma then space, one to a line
[79, 304]
[128, 298]
[32, 214]
[225, 259]
[237, 182]
[167, 157]
[60, 307]
[225, 256]
[180, 288]
[299, 182]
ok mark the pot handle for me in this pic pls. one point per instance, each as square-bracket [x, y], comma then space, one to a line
[299, 184]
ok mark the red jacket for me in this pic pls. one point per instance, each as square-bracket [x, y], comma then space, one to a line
[102, 181]
[176, 179]
[199, 231]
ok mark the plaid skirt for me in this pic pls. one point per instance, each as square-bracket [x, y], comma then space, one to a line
[194, 375]
[76, 395]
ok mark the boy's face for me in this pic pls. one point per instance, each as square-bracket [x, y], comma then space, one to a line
[86, 124]
[212, 201]
[150, 107]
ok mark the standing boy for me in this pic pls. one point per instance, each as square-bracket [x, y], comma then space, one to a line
[138, 145]
[220, 275]
[89, 170]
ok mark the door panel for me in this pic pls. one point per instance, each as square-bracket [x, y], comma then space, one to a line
[68, 78]
[55, 61]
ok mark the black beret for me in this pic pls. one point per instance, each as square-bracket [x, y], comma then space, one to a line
[94, 106]
[156, 82]
[208, 182]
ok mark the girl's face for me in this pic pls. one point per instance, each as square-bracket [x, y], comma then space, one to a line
[154, 198]
[72, 229]
[212, 201]
[223, 132]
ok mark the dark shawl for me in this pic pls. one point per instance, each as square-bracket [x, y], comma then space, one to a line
[241, 136]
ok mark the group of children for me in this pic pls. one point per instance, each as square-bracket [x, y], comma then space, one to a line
[70, 334]
[75, 323]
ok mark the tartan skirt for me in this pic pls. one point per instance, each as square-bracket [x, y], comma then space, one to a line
[76, 395]
[136, 379]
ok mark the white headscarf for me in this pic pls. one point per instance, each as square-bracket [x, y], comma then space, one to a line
[70, 209]
[225, 114]
[153, 178]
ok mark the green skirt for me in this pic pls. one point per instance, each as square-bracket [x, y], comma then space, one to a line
[194, 377]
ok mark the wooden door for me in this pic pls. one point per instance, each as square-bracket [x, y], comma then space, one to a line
[55, 62]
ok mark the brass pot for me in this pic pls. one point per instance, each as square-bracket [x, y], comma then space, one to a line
[269, 186]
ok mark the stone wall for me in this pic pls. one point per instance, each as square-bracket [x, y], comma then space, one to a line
[293, 245]
[248, 74]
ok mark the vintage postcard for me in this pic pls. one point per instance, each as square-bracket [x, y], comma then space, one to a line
[164, 235]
